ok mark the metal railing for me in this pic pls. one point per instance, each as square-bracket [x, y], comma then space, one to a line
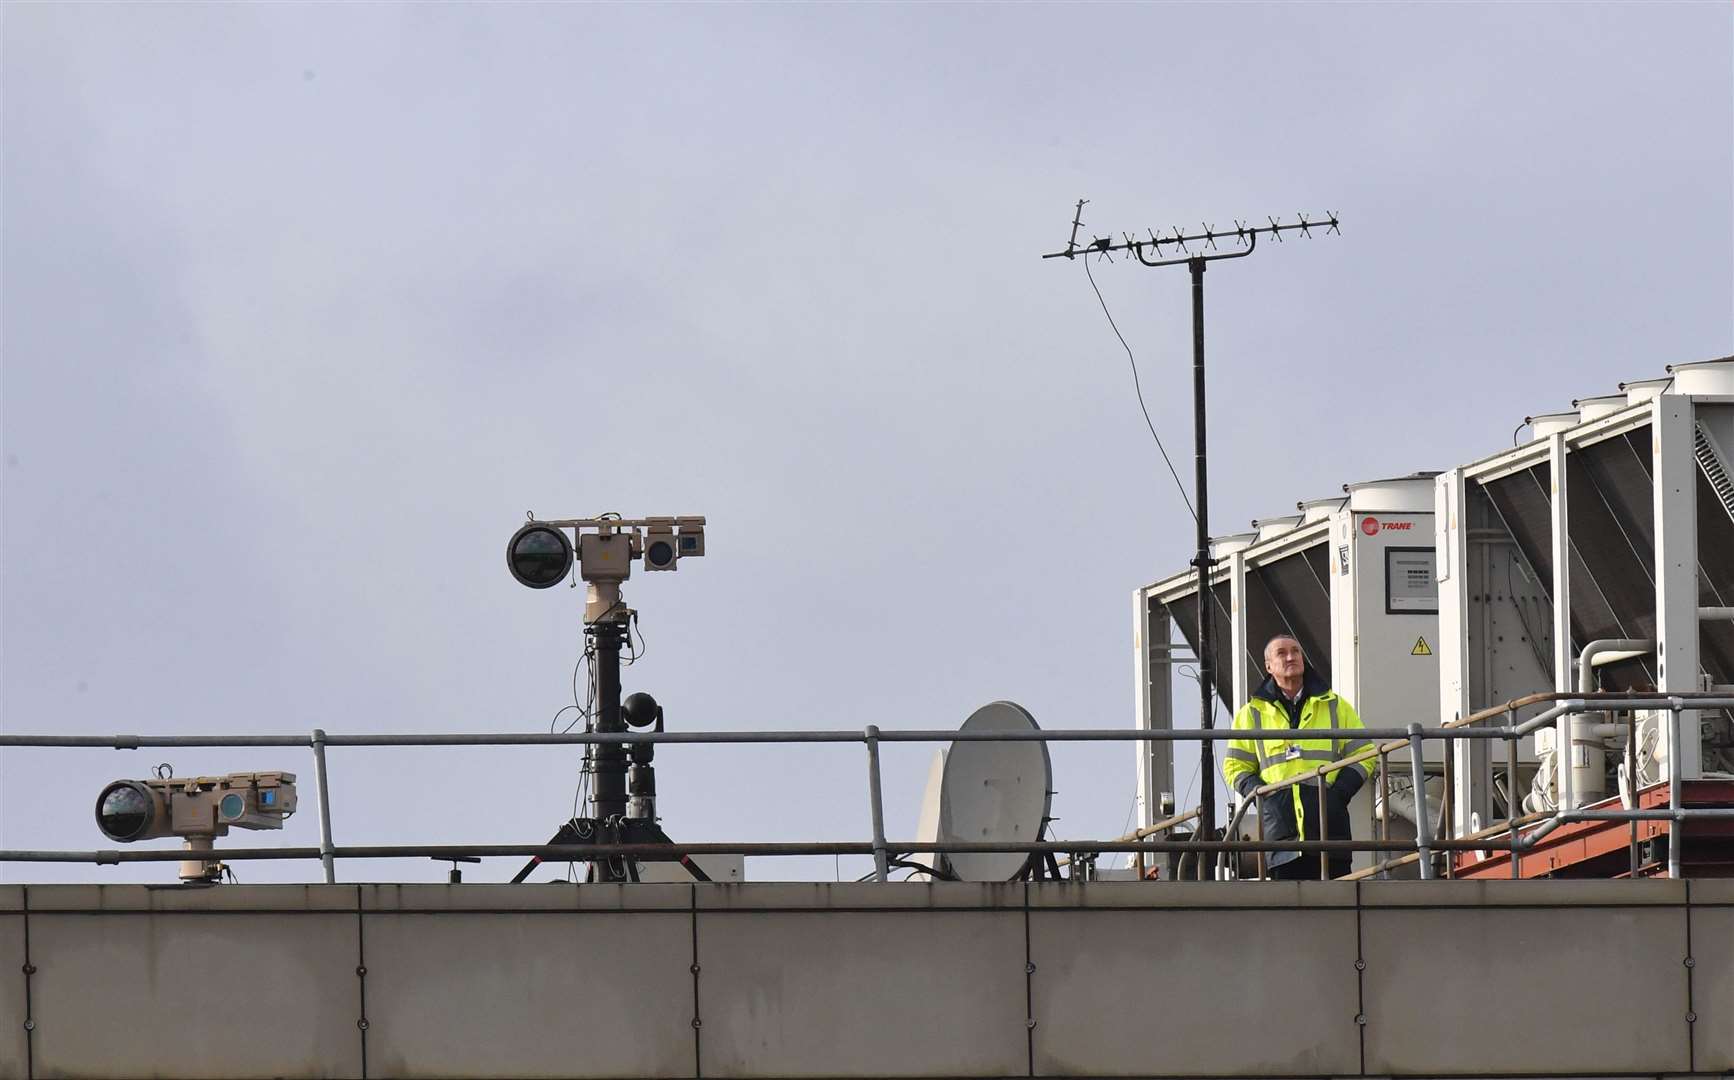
[1421, 849]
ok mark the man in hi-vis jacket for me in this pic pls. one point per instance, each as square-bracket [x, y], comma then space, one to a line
[1274, 747]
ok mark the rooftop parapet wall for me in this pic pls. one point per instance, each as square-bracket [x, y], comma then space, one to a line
[1558, 978]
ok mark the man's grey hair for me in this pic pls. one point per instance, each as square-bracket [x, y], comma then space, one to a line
[1284, 636]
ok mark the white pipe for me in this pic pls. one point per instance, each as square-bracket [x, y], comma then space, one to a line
[1715, 614]
[1587, 660]
[1614, 656]
[1403, 804]
[1580, 759]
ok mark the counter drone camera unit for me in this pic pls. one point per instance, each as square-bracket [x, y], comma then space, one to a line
[540, 555]
[197, 809]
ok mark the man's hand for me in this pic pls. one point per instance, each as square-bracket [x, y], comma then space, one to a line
[1347, 783]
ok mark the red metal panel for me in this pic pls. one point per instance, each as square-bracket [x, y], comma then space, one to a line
[1575, 850]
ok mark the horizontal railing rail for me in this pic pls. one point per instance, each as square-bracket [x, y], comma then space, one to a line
[1387, 741]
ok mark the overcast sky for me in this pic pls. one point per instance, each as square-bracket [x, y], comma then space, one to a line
[306, 305]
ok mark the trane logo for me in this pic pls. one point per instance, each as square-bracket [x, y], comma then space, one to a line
[1372, 526]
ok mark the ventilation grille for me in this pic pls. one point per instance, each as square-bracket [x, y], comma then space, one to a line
[1711, 462]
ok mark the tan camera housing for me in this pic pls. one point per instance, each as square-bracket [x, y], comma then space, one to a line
[206, 806]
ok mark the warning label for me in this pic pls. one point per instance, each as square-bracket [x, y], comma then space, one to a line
[1421, 648]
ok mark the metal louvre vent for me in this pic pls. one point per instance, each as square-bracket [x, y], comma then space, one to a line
[1711, 462]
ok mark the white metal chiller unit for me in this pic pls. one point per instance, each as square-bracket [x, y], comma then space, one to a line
[1351, 577]
[1599, 555]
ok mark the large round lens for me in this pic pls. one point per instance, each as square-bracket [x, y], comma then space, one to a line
[539, 556]
[660, 554]
[231, 806]
[124, 811]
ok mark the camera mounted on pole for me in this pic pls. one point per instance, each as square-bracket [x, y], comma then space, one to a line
[622, 805]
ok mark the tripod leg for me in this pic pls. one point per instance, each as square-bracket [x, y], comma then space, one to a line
[566, 835]
[653, 834]
[693, 869]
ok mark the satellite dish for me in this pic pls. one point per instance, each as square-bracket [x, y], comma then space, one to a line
[927, 825]
[995, 792]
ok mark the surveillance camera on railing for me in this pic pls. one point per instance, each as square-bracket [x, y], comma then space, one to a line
[196, 809]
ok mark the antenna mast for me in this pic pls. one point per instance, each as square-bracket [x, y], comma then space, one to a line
[1203, 250]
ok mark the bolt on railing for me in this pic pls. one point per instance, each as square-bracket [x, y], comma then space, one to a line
[884, 852]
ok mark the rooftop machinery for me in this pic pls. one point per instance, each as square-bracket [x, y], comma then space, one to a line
[1351, 577]
[1428, 597]
[1597, 556]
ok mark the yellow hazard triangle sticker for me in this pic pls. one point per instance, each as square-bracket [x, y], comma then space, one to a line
[1421, 648]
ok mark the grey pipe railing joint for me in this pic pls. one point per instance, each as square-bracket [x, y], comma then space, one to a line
[1423, 820]
[876, 803]
[327, 860]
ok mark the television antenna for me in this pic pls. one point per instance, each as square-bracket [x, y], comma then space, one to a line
[1196, 250]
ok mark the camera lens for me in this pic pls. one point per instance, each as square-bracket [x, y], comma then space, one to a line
[660, 553]
[539, 556]
[231, 806]
[124, 811]
[639, 710]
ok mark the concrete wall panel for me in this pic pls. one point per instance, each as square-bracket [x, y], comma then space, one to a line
[1713, 987]
[547, 896]
[854, 994]
[157, 994]
[1462, 979]
[14, 1045]
[1499, 990]
[1162, 992]
[530, 995]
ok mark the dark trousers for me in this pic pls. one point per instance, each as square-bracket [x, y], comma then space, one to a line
[1280, 822]
[1306, 868]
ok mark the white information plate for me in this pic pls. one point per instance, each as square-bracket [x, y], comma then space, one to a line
[1410, 585]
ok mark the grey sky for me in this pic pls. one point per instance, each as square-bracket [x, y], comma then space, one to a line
[304, 306]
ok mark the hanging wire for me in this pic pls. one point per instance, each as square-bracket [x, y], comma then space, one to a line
[1192, 673]
[1139, 388]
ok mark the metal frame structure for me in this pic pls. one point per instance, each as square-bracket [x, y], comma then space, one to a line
[1411, 740]
[1656, 596]
[1319, 575]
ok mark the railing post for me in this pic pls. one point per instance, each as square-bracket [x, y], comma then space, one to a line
[1423, 821]
[325, 847]
[1513, 802]
[1324, 832]
[1676, 823]
[1258, 809]
[1635, 857]
[1384, 811]
[1447, 811]
[876, 799]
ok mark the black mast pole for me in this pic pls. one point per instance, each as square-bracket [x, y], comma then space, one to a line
[608, 798]
[1206, 650]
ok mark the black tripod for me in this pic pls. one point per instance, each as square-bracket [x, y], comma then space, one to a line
[617, 816]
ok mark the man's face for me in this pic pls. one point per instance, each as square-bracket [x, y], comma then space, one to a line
[1283, 659]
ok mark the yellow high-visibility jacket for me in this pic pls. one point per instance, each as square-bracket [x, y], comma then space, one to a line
[1272, 751]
